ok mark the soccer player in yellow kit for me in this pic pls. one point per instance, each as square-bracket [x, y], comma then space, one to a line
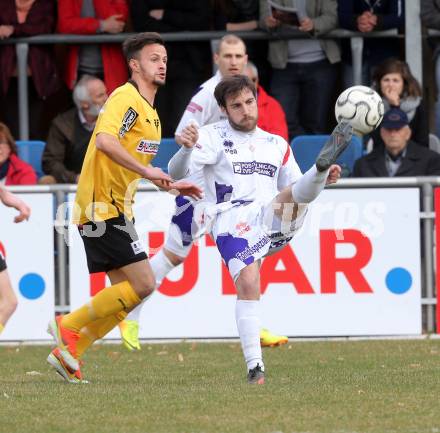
[125, 140]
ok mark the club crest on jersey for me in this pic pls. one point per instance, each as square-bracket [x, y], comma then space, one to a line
[150, 147]
[128, 121]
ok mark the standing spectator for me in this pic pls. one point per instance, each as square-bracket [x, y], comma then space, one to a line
[235, 15]
[399, 88]
[91, 17]
[367, 16]
[304, 70]
[13, 170]
[271, 117]
[20, 18]
[430, 14]
[189, 63]
[70, 133]
[243, 15]
[400, 156]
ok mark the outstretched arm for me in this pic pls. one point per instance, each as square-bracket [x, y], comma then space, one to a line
[110, 145]
[11, 200]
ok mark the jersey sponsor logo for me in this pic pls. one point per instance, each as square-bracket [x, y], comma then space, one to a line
[192, 107]
[137, 247]
[128, 121]
[150, 147]
[156, 123]
[251, 167]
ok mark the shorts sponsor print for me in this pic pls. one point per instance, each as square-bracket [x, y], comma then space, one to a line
[242, 238]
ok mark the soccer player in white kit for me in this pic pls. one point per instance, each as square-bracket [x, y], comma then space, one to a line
[231, 59]
[256, 197]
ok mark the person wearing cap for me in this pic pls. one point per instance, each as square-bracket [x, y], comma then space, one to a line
[400, 156]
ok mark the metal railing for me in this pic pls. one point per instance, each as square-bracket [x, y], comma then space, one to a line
[426, 185]
[413, 46]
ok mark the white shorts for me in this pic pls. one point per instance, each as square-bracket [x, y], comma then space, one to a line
[246, 233]
[187, 225]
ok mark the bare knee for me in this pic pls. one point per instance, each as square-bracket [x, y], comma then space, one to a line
[13, 304]
[145, 287]
[8, 305]
[173, 258]
[248, 283]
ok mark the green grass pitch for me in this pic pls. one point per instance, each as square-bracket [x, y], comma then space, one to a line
[315, 387]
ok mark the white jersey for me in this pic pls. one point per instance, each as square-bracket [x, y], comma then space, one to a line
[242, 167]
[203, 107]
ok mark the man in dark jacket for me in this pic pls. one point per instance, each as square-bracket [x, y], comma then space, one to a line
[400, 156]
[70, 132]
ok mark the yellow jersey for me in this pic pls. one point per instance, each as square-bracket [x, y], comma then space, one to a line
[105, 188]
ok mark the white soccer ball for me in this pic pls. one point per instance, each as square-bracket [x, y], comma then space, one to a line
[360, 106]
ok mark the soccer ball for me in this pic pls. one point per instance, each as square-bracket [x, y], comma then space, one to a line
[361, 107]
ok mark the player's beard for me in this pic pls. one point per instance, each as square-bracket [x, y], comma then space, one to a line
[249, 126]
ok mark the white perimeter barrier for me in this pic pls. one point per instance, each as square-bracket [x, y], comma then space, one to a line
[354, 269]
[345, 273]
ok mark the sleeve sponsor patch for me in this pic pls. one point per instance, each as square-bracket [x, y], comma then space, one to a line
[128, 121]
[150, 147]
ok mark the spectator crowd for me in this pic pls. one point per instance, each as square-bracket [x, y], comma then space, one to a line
[297, 79]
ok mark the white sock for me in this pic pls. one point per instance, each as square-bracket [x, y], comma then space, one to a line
[309, 185]
[161, 268]
[248, 324]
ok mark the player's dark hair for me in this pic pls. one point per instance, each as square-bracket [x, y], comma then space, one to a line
[232, 86]
[132, 45]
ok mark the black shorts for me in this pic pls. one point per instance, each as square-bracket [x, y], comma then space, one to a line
[111, 244]
[2, 263]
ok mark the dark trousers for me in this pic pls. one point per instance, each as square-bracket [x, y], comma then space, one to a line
[171, 102]
[305, 91]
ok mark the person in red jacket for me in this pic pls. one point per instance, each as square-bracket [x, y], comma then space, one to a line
[13, 171]
[91, 17]
[271, 117]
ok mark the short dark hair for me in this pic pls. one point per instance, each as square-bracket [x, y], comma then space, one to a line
[231, 86]
[132, 45]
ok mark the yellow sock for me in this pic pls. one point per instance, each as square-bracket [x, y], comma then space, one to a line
[1, 328]
[96, 330]
[109, 301]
